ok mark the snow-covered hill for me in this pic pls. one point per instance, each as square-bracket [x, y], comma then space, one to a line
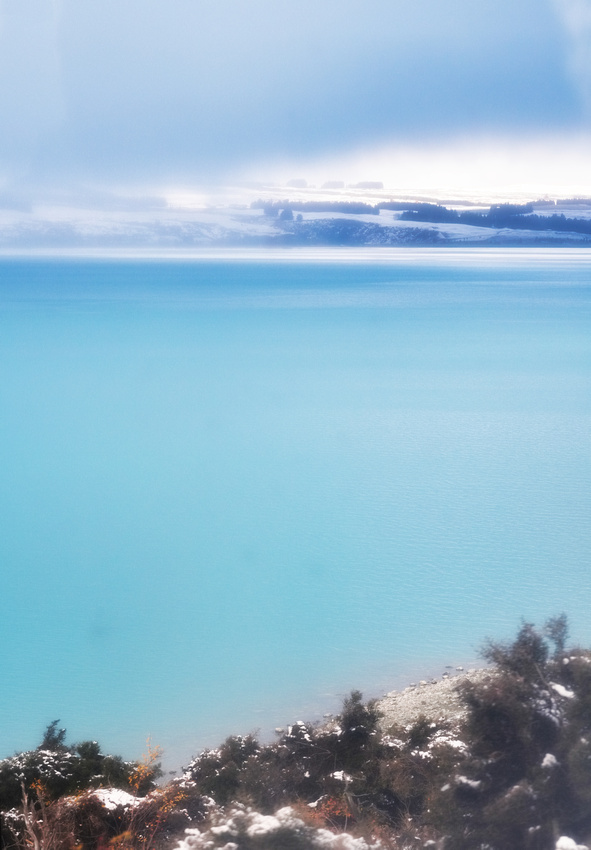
[70, 228]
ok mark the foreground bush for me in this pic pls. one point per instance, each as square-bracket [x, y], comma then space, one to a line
[513, 774]
[61, 769]
[526, 776]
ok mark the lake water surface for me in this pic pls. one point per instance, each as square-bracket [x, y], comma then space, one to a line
[233, 490]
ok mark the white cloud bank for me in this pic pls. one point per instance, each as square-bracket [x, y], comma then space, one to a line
[558, 166]
[147, 98]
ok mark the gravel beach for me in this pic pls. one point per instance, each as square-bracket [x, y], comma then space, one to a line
[437, 700]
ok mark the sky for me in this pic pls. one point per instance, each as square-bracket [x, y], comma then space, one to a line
[148, 96]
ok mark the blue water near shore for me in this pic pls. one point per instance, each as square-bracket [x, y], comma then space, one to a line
[233, 490]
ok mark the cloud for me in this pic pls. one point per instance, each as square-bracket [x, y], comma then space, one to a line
[143, 93]
[500, 166]
[31, 91]
[576, 17]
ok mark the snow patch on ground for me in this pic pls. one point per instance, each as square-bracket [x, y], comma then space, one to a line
[114, 798]
[565, 843]
[261, 830]
[562, 691]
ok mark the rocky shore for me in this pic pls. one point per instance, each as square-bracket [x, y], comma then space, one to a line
[436, 699]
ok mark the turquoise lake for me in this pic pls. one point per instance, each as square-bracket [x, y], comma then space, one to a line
[232, 490]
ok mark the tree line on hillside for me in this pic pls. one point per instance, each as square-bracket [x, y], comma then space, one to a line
[274, 208]
[514, 216]
[511, 216]
[513, 773]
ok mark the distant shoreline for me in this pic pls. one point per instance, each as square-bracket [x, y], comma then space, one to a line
[273, 224]
[282, 254]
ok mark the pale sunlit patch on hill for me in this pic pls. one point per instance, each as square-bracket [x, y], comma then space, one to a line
[186, 199]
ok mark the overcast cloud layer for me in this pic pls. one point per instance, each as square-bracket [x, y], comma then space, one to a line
[149, 93]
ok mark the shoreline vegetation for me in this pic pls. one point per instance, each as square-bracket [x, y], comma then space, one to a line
[496, 758]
